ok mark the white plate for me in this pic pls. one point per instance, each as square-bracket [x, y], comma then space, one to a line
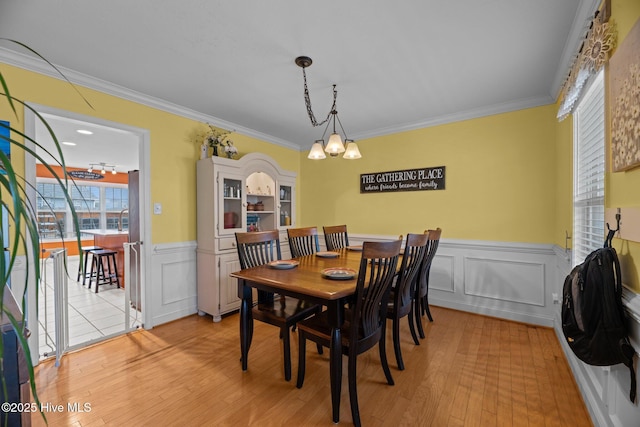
[327, 254]
[339, 273]
[284, 264]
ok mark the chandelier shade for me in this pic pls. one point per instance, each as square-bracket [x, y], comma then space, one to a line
[317, 153]
[352, 152]
[334, 146]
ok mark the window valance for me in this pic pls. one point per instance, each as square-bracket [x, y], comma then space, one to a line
[593, 54]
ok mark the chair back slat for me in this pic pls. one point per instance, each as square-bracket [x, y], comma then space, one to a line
[258, 248]
[303, 241]
[377, 269]
[415, 250]
[336, 237]
[425, 268]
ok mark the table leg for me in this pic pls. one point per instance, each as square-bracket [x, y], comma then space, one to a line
[246, 322]
[336, 316]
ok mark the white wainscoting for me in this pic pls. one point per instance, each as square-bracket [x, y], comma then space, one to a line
[605, 390]
[172, 290]
[507, 280]
[518, 281]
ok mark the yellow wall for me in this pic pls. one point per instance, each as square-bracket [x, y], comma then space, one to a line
[500, 181]
[623, 188]
[174, 149]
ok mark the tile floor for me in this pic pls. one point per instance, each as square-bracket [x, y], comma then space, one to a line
[92, 317]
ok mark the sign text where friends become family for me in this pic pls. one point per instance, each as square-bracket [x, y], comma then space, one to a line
[405, 180]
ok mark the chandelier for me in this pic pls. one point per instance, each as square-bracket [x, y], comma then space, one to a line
[334, 146]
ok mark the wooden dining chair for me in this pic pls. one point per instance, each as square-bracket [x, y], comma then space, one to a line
[364, 324]
[403, 290]
[335, 237]
[303, 241]
[420, 304]
[259, 248]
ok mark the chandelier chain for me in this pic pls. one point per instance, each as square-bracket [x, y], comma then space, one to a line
[307, 101]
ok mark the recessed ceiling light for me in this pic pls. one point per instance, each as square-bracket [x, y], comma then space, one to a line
[68, 143]
[84, 132]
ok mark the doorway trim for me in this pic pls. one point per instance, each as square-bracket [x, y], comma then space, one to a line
[144, 148]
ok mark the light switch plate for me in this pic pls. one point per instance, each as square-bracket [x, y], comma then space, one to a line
[157, 208]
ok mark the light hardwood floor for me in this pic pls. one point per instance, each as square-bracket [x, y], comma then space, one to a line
[471, 370]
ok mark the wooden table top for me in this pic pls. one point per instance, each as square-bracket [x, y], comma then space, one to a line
[306, 278]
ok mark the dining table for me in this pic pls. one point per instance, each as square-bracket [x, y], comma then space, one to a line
[307, 280]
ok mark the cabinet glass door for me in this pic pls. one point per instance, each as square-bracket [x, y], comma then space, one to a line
[232, 193]
[286, 205]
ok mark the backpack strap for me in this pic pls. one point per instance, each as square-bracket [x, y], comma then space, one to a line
[609, 238]
[626, 348]
[628, 352]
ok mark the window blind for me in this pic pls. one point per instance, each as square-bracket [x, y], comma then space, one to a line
[589, 155]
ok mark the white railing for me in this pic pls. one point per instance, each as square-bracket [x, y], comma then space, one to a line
[132, 286]
[61, 298]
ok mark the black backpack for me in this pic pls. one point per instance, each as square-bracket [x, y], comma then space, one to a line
[593, 318]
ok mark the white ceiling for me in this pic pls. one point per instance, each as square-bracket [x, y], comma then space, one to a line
[106, 144]
[397, 65]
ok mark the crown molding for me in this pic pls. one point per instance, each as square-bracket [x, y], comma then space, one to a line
[31, 63]
[488, 110]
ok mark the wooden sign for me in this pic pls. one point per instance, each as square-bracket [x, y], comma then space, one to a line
[404, 180]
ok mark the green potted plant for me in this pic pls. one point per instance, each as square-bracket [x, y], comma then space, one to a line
[24, 237]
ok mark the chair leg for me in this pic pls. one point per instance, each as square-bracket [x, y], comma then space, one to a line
[100, 273]
[396, 343]
[84, 275]
[318, 346]
[302, 348]
[353, 390]
[382, 346]
[425, 302]
[80, 272]
[412, 326]
[419, 317]
[287, 352]
[94, 272]
[115, 271]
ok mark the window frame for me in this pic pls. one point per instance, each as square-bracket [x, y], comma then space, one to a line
[589, 172]
[105, 217]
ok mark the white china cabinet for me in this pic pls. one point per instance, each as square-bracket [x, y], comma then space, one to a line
[234, 196]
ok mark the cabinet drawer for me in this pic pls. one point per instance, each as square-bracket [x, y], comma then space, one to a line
[226, 244]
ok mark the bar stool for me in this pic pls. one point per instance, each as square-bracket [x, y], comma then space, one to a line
[104, 258]
[82, 269]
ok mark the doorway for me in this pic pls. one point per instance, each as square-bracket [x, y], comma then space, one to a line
[102, 155]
